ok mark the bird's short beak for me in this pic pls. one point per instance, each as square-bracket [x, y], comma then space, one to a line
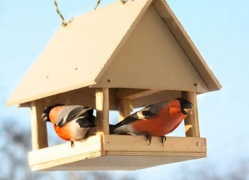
[188, 110]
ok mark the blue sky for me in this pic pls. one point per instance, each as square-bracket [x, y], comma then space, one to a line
[219, 29]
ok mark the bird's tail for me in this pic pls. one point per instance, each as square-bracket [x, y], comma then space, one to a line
[86, 121]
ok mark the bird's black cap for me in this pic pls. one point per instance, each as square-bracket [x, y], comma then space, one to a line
[186, 106]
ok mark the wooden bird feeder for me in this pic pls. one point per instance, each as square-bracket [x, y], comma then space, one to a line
[118, 57]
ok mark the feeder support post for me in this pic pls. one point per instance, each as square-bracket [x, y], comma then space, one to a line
[124, 107]
[38, 127]
[191, 121]
[102, 109]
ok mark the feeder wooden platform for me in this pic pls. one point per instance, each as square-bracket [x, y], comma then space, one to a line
[117, 152]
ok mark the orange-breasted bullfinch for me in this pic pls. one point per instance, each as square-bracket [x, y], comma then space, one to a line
[70, 123]
[155, 120]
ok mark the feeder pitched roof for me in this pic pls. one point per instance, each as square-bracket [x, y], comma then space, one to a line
[137, 45]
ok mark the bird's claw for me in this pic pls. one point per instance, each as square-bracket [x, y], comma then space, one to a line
[163, 139]
[72, 144]
[148, 138]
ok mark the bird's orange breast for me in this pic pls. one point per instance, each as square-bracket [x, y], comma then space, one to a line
[167, 120]
[62, 132]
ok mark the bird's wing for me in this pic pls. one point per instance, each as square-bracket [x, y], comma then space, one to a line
[68, 113]
[146, 113]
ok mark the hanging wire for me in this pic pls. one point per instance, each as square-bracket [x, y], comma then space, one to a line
[64, 23]
[97, 4]
[124, 1]
[58, 11]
